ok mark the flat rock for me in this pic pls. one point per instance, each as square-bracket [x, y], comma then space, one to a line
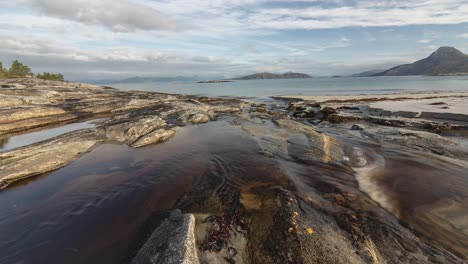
[46, 156]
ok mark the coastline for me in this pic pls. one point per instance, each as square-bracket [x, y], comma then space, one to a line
[316, 178]
[406, 95]
[134, 118]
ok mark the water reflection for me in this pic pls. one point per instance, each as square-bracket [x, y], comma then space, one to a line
[44, 134]
[94, 209]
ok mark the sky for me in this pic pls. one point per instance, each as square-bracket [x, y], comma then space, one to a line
[114, 39]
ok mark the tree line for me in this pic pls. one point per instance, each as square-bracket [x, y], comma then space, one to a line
[19, 70]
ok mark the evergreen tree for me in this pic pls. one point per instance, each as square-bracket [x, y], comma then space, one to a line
[17, 70]
[50, 76]
[2, 71]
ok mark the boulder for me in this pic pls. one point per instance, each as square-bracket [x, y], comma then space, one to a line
[173, 242]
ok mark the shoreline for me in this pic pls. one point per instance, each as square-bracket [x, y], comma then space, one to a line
[286, 144]
[135, 118]
[372, 97]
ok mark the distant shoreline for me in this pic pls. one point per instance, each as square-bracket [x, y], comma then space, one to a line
[404, 95]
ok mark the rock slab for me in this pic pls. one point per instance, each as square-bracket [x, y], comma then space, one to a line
[173, 242]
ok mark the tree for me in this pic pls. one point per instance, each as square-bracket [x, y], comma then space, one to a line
[50, 76]
[2, 71]
[17, 70]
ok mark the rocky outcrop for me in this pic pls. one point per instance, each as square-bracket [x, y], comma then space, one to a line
[173, 242]
[136, 119]
[46, 156]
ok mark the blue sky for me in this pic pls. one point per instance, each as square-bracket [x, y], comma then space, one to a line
[91, 39]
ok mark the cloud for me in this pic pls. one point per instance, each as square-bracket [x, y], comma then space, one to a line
[464, 35]
[363, 14]
[121, 16]
[177, 37]
[43, 54]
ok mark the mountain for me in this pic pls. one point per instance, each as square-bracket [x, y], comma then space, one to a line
[295, 75]
[367, 73]
[267, 75]
[444, 61]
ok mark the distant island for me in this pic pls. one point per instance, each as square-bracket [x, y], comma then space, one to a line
[215, 81]
[268, 75]
[444, 61]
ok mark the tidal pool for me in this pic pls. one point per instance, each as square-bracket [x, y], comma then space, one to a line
[101, 207]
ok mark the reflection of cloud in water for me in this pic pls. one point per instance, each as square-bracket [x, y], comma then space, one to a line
[28, 138]
[366, 172]
[429, 192]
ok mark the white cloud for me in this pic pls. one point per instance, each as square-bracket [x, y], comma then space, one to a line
[121, 15]
[365, 13]
[233, 37]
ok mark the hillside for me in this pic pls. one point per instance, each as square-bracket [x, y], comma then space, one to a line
[444, 61]
[367, 73]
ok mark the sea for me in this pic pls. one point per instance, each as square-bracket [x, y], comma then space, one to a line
[264, 89]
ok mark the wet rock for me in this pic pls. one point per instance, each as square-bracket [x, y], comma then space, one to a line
[386, 122]
[346, 107]
[357, 127]
[437, 127]
[129, 132]
[328, 110]
[199, 118]
[135, 118]
[438, 103]
[46, 156]
[262, 110]
[157, 136]
[338, 119]
[307, 145]
[173, 242]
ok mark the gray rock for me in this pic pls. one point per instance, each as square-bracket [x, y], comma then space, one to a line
[135, 118]
[131, 131]
[157, 136]
[173, 242]
[46, 156]
[357, 127]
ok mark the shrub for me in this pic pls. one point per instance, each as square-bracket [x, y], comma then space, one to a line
[18, 70]
[51, 76]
